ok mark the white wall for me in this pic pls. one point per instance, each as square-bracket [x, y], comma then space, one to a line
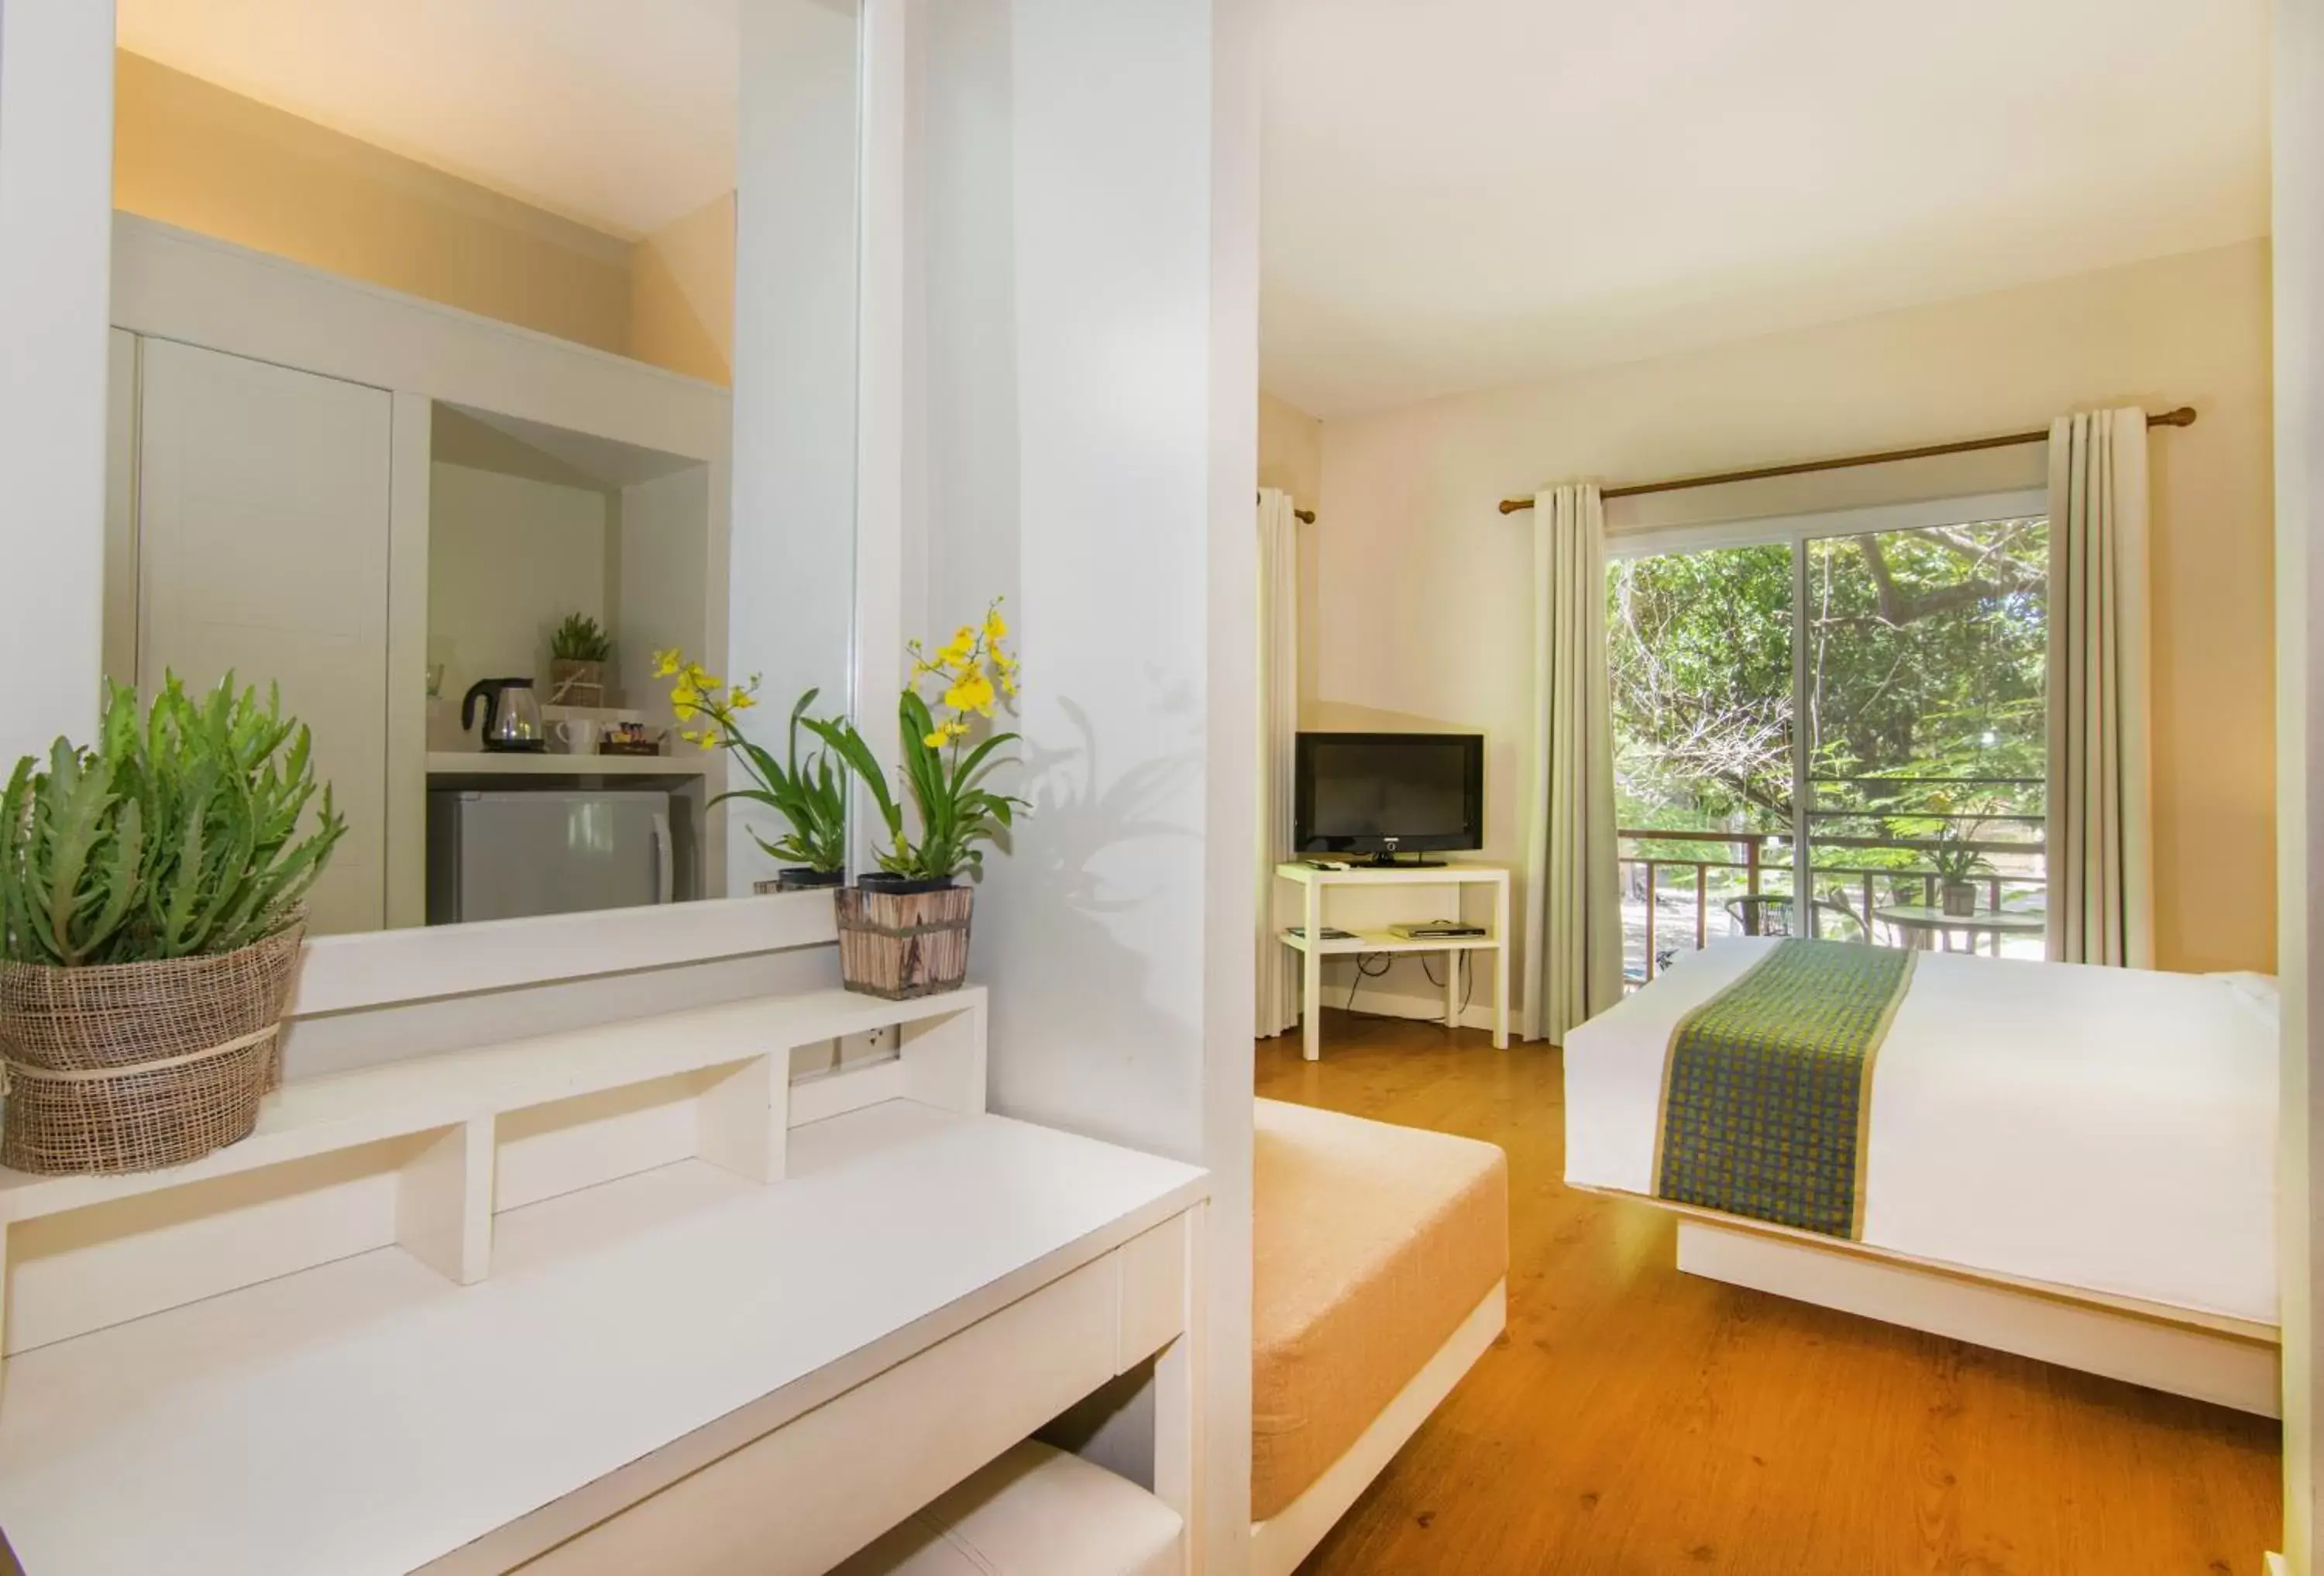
[508, 558]
[1423, 618]
[55, 218]
[1089, 447]
[2299, 603]
[661, 595]
[792, 596]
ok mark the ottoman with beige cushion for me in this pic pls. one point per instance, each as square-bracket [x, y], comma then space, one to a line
[1035, 1512]
[1379, 1275]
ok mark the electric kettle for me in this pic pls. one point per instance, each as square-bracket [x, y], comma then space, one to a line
[512, 715]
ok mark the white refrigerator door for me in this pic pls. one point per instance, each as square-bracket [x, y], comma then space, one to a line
[523, 854]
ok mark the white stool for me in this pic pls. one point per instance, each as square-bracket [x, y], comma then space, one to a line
[1035, 1512]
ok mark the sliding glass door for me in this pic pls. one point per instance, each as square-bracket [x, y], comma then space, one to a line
[1853, 710]
[1701, 649]
[1927, 737]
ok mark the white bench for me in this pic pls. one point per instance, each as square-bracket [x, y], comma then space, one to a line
[1380, 1270]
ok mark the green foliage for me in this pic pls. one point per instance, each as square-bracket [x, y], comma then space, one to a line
[175, 838]
[958, 815]
[1954, 850]
[811, 795]
[1700, 648]
[579, 639]
[1928, 665]
[1925, 674]
[1954, 858]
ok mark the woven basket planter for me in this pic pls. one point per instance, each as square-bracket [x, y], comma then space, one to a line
[899, 945]
[136, 1066]
[576, 683]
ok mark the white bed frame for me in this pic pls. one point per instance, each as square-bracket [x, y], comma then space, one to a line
[1281, 1542]
[2228, 1362]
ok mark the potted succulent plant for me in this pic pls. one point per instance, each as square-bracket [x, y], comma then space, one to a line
[150, 920]
[810, 794]
[577, 653]
[904, 932]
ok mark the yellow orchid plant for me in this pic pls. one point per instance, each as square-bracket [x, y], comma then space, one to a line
[809, 794]
[943, 772]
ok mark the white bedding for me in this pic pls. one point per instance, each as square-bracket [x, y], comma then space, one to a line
[2100, 1128]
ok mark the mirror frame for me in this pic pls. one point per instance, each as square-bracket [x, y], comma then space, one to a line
[56, 172]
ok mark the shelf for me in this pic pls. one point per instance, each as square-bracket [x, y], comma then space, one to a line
[423, 1154]
[365, 1418]
[1450, 874]
[401, 1099]
[1380, 940]
[553, 714]
[478, 763]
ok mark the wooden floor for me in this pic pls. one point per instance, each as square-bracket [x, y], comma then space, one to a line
[1637, 1421]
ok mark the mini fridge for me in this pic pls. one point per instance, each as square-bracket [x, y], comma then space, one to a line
[517, 854]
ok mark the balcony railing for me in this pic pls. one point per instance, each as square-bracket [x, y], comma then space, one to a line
[1737, 864]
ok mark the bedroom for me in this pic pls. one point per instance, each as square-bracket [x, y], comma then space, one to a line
[1729, 284]
[776, 1232]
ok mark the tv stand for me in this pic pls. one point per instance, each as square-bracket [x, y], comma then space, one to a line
[1316, 886]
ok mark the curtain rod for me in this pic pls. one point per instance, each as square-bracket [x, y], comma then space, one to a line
[2182, 417]
[1307, 516]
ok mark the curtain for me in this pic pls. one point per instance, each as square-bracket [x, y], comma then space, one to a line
[2102, 834]
[1574, 910]
[1278, 731]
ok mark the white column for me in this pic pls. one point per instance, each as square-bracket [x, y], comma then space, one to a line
[1088, 377]
[889, 591]
[1231, 765]
[2298, 40]
[791, 599]
[56, 240]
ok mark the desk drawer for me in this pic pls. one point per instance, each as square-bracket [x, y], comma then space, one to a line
[802, 1498]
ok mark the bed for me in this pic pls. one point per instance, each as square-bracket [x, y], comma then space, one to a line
[2075, 1164]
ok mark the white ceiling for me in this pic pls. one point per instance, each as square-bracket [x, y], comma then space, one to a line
[617, 113]
[1464, 193]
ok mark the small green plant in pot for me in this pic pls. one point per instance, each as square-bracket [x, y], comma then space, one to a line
[151, 910]
[905, 931]
[1957, 862]
[809, 793]
[577, 653]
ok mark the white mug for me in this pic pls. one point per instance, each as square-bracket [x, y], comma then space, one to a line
[578, 735]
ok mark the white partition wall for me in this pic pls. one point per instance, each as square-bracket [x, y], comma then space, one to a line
[1089, 262]
[56, 229]
[790, 597]
[2299, 603]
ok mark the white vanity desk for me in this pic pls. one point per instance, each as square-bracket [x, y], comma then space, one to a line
[676, 1369]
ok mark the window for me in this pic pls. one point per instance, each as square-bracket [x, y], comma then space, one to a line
[1849, 705]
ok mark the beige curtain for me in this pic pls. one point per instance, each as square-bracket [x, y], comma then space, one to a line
[1574, 912]
[1278, 732]
[2102, 834]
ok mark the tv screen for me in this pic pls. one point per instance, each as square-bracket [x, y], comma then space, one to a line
[1384, 794]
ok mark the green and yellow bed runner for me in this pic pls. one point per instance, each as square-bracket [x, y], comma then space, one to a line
[1767, 1087]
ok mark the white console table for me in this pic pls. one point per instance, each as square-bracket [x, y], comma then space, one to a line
[621, 1300]
[1316, 887]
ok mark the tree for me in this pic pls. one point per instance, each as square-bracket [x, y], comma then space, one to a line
[1924, 679]
[1700, 648]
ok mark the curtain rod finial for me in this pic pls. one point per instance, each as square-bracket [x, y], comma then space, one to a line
[2182, 417]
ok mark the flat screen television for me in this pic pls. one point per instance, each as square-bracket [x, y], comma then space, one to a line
[1382, 794]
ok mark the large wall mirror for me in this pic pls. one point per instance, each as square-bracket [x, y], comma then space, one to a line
[434, 402]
